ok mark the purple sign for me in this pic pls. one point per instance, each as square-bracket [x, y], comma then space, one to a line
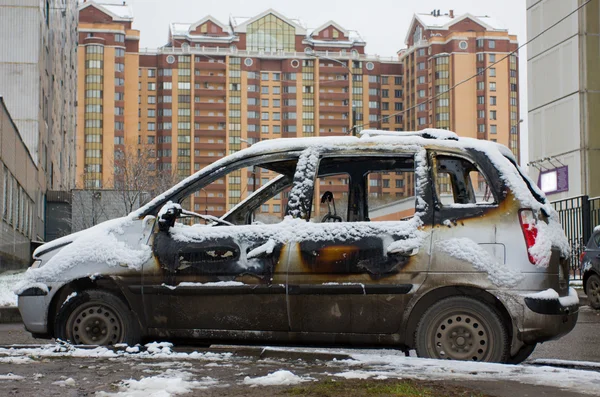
[555, 180]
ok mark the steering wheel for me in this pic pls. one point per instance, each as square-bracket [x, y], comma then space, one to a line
[330, 217]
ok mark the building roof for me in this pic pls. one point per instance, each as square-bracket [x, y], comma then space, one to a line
[119, 11]
[444, 21]
[239, 24]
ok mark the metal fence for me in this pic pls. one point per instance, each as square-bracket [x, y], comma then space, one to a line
[578, 217]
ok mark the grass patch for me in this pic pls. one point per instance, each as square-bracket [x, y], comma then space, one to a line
[389, 387]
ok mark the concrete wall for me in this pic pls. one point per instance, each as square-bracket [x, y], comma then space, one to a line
[20, 221]
[563, 68]
[38, 82]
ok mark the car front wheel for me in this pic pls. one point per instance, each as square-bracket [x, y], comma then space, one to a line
[96, 317]
[462, 328]
[592, 288]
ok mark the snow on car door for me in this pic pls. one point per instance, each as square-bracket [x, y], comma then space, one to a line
[356, 261]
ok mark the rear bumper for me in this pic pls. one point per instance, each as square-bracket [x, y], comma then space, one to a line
[546, 318]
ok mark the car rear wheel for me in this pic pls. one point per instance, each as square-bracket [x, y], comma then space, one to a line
[592, 288]
[462, 328]
[96, 317]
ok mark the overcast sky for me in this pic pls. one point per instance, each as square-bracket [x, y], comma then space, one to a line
[382, 23]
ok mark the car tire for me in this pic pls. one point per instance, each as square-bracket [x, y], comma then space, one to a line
[96, 317]
[592, 289]
[522, 355]
[462, 328]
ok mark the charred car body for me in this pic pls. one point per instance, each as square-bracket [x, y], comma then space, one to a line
[469, 262]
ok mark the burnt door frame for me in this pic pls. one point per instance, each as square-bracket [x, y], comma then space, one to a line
[340, 298]
[254, 298]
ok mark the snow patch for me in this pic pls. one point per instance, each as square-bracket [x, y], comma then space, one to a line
[10, 376]
[469, 251]
[7, 281]
[550, 294]
[265, 249]
[169, 383]
[277, 378]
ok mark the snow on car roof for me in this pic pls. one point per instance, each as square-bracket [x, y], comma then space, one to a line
[372, 140]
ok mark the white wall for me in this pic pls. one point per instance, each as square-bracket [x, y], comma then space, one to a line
[553, 90]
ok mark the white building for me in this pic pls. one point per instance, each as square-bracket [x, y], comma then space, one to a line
[38, 77]
[564, 97]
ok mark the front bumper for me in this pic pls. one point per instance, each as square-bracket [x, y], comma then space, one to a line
[546, 318]
[34, 307]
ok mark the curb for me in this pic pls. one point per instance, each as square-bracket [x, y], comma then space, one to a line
[10, 315]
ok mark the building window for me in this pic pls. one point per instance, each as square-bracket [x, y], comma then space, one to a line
[492, 86]
[270, 33]
[481, 100]
[151, 99]
[492, 43]
[264, 89]
[264, 129]
[264, 76]
[492, 72]
[119, 38]
[481, 114]
[492, 100]
[151, 126]
[481, 127]
[492, 115]
[264, 116]
[493, 129]
[492, 58]
[151, 86]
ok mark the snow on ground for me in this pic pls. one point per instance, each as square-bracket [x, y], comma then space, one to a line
[7, 282]
[180, 376]
[277, 378]
[169, 383]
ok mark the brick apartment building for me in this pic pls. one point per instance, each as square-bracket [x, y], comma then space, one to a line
[216, 88]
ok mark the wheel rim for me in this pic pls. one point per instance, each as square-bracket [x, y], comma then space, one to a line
[594, 290]
[461, 336]
[95, 324]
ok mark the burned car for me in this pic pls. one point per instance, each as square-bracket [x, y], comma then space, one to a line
[461, 257]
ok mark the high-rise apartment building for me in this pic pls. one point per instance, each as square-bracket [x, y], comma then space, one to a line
[443, 50]
[107, 90]
[216, 88]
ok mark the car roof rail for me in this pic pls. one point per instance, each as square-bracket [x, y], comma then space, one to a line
[427, 133]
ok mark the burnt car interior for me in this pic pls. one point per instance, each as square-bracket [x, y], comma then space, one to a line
[458, 181]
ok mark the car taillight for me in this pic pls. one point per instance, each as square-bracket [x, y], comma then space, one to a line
[581, 257]
[528, 225]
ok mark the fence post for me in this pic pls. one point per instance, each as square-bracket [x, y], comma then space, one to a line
[586, 219]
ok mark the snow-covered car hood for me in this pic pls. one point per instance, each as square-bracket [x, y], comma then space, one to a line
[112, 247]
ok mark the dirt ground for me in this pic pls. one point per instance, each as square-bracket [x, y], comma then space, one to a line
[85, 376]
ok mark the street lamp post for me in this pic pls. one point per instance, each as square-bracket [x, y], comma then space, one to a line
[347, 66]
[253, 167]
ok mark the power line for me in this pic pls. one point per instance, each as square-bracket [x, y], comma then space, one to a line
[430, 99]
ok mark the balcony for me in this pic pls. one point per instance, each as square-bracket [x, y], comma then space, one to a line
[210, 65]
[209, 79]
[334, 122]
[210, 119]
[334, 109]
[210, 146]
[333, 83]
[337, 68]
[210, 105]
[208, 92]
[340, 96]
